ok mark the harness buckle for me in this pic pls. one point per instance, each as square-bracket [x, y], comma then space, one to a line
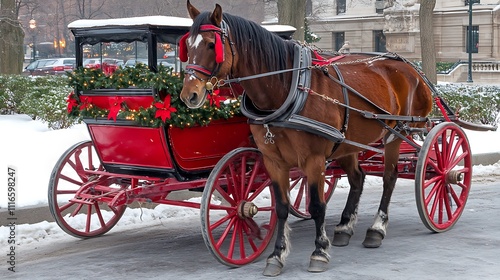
[269, 137]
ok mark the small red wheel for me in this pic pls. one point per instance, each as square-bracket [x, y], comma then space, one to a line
[299, 193]
[443, 176]
[237, 208]
[70, 191]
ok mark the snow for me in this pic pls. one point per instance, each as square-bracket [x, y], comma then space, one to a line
[33, 149]
[131, 21]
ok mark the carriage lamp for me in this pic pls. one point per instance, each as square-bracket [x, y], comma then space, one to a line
[32, 25]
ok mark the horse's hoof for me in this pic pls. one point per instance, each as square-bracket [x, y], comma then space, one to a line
[318, 264]
[373, 239]
[341, 239]
[273, 267]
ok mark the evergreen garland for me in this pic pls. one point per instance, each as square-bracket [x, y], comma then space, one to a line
[171, 111]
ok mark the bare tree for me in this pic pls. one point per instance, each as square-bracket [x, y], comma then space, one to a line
[11, 39]
[89, 8]
[293, 13]
[427, 39]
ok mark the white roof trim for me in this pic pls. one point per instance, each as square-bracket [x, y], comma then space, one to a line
[132, 21]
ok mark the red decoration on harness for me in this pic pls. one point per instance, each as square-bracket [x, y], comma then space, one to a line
[319, 60]
[219, 47]
[183, 50]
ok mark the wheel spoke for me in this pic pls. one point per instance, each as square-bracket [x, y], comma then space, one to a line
[225, 195]
[256, 170]
[431, 181]
[225, 233]
[222, 221]
[259, 190]
[433, 197]
[66, 206]
[99, 214]
[456, 149]
[457, 160]
[241, 225]
[232, 182]
[70, 180]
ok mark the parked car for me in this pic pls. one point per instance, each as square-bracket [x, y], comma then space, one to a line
[49, 66]
[132, 62]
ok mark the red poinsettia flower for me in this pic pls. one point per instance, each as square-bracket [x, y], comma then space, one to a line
[214, 98]
[85, 102]
[114, 107]
[72, 103]
[163, 110]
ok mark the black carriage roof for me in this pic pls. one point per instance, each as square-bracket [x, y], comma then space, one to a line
[167, 29]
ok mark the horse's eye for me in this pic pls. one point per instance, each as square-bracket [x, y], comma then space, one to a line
[211, 46]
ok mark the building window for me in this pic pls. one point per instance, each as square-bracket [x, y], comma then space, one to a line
[338, 40]
[379, 6]
[379, 41]
[473, 2]
[341, 6]
[475, 39]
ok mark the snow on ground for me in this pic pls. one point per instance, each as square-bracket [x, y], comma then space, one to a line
[33, 149]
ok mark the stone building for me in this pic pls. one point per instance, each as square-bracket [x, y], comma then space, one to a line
[393, 25]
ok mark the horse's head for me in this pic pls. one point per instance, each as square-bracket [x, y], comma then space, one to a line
[204, 50]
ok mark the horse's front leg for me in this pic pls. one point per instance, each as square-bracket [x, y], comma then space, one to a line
[276, 260]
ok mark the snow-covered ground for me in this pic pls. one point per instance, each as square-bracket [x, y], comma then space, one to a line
[33, 150]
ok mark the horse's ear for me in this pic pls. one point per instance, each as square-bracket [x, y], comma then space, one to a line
[193, 12]
[216, 17]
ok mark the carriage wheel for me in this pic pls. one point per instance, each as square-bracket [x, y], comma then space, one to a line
[443, 176]
[237, 208]
[299, 193]
[79, 215]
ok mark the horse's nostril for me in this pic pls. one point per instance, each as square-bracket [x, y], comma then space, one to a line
[193, 98]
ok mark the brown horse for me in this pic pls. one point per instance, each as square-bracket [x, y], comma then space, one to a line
[226, 47]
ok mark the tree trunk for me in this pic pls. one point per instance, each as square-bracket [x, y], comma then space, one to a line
[11, 39]
[293, 13]
[427, 39]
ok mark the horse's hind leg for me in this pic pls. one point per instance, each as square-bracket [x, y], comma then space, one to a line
[378, 230]
[356, 177]
[276, 260]
[315, 170]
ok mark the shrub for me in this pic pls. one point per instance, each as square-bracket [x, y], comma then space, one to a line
[42, 98]
[474, 103]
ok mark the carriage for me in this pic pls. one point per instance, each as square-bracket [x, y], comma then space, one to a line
[147, 148]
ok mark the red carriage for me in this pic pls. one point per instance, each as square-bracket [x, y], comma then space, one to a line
[133, 157]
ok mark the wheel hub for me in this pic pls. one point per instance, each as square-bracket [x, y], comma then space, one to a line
[454, 176]
[247, 210]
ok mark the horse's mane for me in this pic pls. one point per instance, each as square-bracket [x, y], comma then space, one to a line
[254, 40]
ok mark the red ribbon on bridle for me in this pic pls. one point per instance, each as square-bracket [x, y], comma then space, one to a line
[219, 45]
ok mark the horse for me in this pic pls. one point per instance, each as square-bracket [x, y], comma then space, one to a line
[303, 115]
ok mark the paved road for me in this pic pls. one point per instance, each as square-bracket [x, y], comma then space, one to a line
[471, 250]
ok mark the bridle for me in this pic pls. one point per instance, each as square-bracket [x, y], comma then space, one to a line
[220, 33]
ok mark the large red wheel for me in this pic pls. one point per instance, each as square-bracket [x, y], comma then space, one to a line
[299, 193]
[443, 176]
[70, 189]
[237, 208]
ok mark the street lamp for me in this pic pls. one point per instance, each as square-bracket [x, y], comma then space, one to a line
[32, 24]
[469, 43]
